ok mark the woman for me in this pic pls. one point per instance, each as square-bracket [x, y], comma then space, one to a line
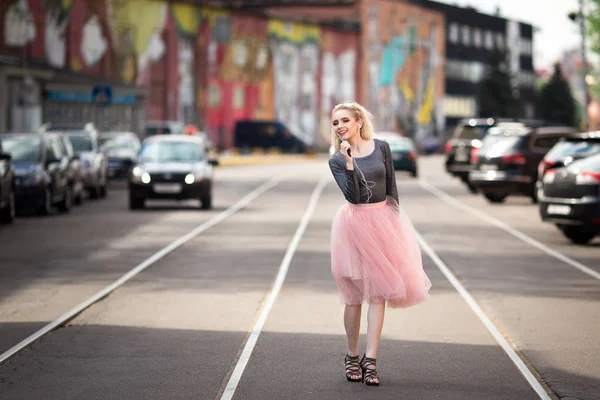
[375, 256]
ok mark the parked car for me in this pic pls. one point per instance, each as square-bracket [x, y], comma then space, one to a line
[567, 150]
[7, 188]
[172, 167]
[467, 140]
[250, 134]
[507, 162]
[75, 170]
[466, 137]
[570, 198]
[41, 171]
[404, 151]
[153, 128]
[94, 163]
[121, 148]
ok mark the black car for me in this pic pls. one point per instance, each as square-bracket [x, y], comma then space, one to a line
[568, 150]
[41, 171]
[172, 167]
[94, 163]
[570, 198]
[507, 162]
[121, 148]
[465, 139]
[7, 188]
[404, 152]
[75, 171]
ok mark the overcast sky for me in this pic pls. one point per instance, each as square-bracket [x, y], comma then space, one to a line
[556, 33]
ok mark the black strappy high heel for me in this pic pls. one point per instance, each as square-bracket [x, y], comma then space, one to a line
[353, 368]
[370, 376]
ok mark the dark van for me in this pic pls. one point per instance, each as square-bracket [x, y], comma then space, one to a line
[269, 135]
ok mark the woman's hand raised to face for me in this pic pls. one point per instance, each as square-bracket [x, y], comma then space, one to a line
[345, 149]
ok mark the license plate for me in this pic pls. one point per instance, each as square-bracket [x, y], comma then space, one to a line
[558, 209]
[461, 155]
[485, 167]
[167, 187]
[397, 156]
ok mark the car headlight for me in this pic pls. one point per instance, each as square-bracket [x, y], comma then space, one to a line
[194, 177]
[138, 175]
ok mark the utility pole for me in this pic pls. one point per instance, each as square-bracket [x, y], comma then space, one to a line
[580, 17]
[584, 74]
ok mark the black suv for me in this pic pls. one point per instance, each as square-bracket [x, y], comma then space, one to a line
[7, 188]
[41, 171]
[508, 160]
[570, 198]
[466, 139]
[567, 150]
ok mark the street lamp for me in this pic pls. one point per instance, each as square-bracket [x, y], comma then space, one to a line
[579, 16]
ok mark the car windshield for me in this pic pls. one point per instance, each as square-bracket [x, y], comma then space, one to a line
[171, 152]
[587, 164]
[579, 148]
[117, 142]
[22, 149]
[81, 143]
[158, 130]
[400, 145]
[469, 132]
[499, 143]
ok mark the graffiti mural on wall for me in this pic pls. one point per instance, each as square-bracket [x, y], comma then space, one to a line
[405, 44]
[296, 66]
[338, 78]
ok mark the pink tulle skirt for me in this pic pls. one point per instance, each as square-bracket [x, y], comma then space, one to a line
[375, 256]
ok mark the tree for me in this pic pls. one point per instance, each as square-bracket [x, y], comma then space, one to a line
[555, 102]
[496, 96]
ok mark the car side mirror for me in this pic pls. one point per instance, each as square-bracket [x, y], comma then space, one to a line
[5, 156]
[214, 162]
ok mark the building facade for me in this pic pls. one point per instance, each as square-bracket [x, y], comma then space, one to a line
[470, 38]
[415, 63]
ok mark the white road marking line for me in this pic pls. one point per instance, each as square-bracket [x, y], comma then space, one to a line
[140, 267]
[495, 332]
[240, 366]
[519, 235]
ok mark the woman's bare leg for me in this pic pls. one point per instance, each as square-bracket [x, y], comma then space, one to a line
[375, 319]
[352, 325]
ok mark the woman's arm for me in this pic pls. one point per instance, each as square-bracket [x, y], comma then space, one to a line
[346, 179]
[390, 187]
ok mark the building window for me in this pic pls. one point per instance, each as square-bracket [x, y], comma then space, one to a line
[489, 40]
[466, 35]
[453, 33]
[500, 40]
[477, 40]
[455, 106]
[526, 47]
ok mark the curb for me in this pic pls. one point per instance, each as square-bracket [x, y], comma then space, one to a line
[232, 161]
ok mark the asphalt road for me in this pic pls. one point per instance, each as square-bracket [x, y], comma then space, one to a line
[179, 328]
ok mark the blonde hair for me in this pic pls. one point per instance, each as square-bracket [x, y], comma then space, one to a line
[360, 114]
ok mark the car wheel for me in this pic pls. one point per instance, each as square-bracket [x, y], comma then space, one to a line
[79, 198]
[136, 203]
[103, 190]
[495, 197]
[7, 215]
[575, 235]
[206, 201]
[46, 208]
[67, 201]
[471, 187]
[414, 173]
[94, 192]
